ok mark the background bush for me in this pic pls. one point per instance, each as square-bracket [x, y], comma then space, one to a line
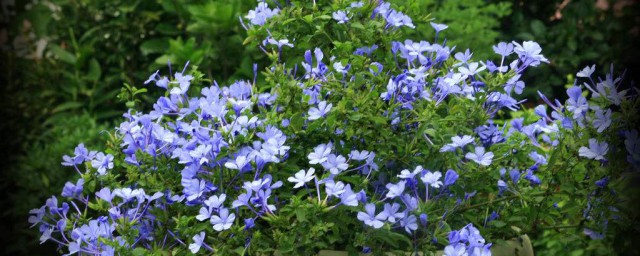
[66, 61]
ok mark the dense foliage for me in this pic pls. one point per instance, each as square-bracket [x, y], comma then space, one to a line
[66, 60]
[358, 136]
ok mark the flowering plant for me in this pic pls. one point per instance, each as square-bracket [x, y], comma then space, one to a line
[378, 143]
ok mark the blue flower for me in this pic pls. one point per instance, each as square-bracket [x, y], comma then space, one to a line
[462, 57]
[602, 120]
[538, 158]
[71, 190]
[102, 162]
[335, 164]
[183, 81]
[450, 177]
[503, 49]
[587, 71]
[370, 218]
[391, 211]
[515, 176]
[457, 142]
[577, 103]
[204, 213]
[365, 50]
[319, 70]
[319, 112]
[198, 239]
[480, 157]
[397, 19]
[302, 177]
[438, 27]
[348, 197]
[596, 150]
[529, 53]
[601, 183]
[279, 43]
[105, 194]
[320, 153]
[261, 14]
[409, 222]
[406, 174]
[455, 250]
[395, 190]
[341, 16]
[471, 70]
[334, 188]
[359, 155]
[223, 220]
[432, 178]
[215, 202]
[238, 164]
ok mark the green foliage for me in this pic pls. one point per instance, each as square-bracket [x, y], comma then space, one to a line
[473, 24]
[575, 34]
[39, 173]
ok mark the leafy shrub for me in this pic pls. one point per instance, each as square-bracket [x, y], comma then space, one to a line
[410, 144]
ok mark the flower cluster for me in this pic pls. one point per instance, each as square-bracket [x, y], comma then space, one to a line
[231, 167]
[467, 241]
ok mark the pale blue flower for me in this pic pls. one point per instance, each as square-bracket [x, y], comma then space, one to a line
[395, 190]
[198, 239]
[370, 217]
[341, 16]
[596, 150]
[320, 153]
[457, 142]
[320, 111]
[438, 27]
[432, 178]
[392, 212]
[455, 250]
[335, 164]
[348, 197]
[480, 157]
[302, 177]
[471, 70]
[223, 221]
[587, 71]
[602, 120]
[503, 49]
[102, 162]
[334, 188]
[410, 222]
[529, 52]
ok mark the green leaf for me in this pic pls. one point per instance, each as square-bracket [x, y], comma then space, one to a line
[62, 54]
[67, 106]
[95, 72]
[158, 45]
[357, 25]
[538, 28]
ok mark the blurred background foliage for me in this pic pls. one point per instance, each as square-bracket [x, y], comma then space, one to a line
[66, 61]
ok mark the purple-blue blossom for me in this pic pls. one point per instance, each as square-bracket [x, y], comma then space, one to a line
[102, 162]
[223, 221]
[320, 153]
[341, 16]
[480, 156]
[370, 218]
[596, 150]
[457, 142]
[302, 177]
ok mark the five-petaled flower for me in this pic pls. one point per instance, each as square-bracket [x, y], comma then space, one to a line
[302, 177]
